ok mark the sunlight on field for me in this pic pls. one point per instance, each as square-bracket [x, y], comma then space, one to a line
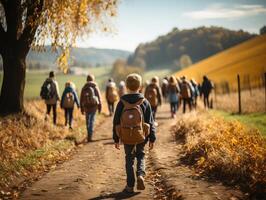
[35, 79]
[246, 59]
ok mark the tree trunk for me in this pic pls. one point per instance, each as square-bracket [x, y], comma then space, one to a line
[11, 99]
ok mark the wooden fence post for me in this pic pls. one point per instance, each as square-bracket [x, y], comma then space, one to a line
[239, 94]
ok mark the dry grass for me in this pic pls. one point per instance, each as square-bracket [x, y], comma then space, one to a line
[253, 101]
[223, 149]
[29, 145]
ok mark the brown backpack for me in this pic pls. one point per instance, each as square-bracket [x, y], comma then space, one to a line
[68, 101]
[185, 90]
[151, 95]
[112, 95]
[132, 128]
[89, 97]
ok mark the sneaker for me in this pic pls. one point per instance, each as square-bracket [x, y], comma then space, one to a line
[128, 190]
[140, 183]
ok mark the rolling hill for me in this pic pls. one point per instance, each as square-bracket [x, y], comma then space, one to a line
[80, 56]
[194, 44]
[247, 59]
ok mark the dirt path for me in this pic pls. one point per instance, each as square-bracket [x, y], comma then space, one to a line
[97, 171]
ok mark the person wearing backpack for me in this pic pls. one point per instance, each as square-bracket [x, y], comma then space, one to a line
[133, 125]
[90, 102]
[206, 88]
[164, 88]
[195, 94]
[186, 93]
[153, 95]
[173, 93]
[68, 100]
[111, 95]
[50, 93]
[122, 89]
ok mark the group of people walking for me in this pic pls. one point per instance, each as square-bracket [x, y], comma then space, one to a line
[178, 91]
[134, 116]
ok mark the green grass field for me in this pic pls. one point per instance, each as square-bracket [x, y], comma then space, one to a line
[255, 120]
[35, 79]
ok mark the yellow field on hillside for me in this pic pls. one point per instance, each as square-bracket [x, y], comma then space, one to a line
[247, 59]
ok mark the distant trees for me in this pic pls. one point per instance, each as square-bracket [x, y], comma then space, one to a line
[198, 43]
[185, 61]
[120, 70]
[27, 23]
[263, 30]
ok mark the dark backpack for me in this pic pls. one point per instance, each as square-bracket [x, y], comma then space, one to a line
[48, 90]
[90, 99]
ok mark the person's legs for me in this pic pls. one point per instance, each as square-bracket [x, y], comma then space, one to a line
[90, 118]
[70, 115]
[54, 113]
[140, 154]
[130, 165]
[184, 105]
[189, 101]
[48, 108]
[195, 103]
[109, 104]
[208, 102]
[113, 107]
[175, 107]
[66, 116]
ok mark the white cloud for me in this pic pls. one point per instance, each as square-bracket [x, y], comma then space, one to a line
[221, 12]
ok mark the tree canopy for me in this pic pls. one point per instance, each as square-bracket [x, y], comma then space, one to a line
[34, 23]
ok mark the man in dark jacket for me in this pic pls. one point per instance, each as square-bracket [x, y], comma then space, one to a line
[90, 102]
[206, 88]
[133, 84]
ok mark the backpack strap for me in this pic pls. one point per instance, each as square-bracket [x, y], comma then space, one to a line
[129, 105]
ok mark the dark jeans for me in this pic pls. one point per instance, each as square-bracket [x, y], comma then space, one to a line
[111, 107]
[185, 102]
[90, 118]
[132, 152]
[54, 111]
[154, 110]
[206, 100]
[173, 107]
[68, 116]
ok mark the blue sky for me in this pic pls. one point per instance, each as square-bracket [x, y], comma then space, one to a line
[144, 20]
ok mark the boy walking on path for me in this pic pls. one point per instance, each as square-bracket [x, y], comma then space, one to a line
[133, 125]
[50, 93]
[68, 100]
[90, 102]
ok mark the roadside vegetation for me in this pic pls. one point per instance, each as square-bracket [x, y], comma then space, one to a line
[31, 146]
[224, 149]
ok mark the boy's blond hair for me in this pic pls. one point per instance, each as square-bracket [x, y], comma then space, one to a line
[133, 82]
